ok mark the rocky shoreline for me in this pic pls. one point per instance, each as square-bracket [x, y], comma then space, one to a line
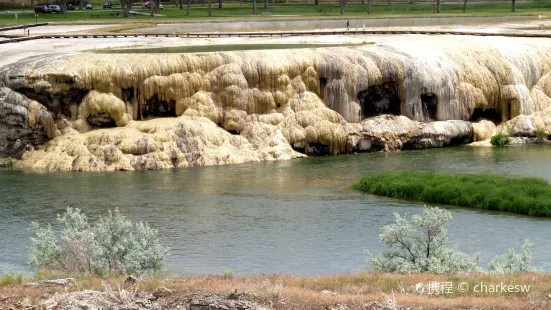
[274, 292]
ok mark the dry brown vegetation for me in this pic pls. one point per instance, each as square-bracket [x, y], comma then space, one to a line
[322, 292]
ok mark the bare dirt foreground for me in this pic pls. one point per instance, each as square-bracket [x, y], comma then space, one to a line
[362, 291]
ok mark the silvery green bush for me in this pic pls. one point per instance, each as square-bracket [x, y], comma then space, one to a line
[420, 246]
[113, 245]
[513, 262]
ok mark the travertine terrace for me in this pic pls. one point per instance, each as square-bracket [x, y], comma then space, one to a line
[88, 111]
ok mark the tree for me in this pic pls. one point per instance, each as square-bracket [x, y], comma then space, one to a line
[210, 8]
[265, 4]
[254, 6]
[420, 247]
[316, 2]
[188, 7]
[464, 6]
[64, 7]
[126, 6]
[112, 246]
[342, 3]
[368, 6]
[81, 4]
[438, 6]
[180, 4]
[514, 6]
[219, 4]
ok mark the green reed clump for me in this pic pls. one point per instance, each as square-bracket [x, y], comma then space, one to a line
[530, 196]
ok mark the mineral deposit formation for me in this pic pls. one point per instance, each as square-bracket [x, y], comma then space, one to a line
[93, 112]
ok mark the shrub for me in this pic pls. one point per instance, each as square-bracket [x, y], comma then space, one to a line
[530, 196]
[500, 140]
[228, 274]
[112, 246]
[420, 247]
[513, 262]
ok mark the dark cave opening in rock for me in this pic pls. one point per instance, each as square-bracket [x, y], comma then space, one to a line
[57, 103]
[323, 84]
[461, 140]
[380, 99]
[508, 105]
[155, 107]
[128, 94]
[487, 114]
[312, 149]
[410, 145]
[429, 104]
[317, 149]
[101, 120]
[300, 150]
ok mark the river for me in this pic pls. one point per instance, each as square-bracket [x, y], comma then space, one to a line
[289, 217]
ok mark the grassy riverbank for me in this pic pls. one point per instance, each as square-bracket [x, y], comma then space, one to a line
[317, 292]
[282, 11]
[530, 196]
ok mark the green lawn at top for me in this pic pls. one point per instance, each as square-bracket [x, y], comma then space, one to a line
[530, 196]
[240, 11]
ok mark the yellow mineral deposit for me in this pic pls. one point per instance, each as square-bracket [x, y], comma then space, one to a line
[179, 110]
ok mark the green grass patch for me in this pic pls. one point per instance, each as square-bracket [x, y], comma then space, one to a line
[11, 278]
[500, 140]
[233, 11]
[530, 196]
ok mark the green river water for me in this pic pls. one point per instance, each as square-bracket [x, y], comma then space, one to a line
[299, 216]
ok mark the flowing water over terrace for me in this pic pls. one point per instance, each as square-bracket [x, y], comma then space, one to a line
[299, 216]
